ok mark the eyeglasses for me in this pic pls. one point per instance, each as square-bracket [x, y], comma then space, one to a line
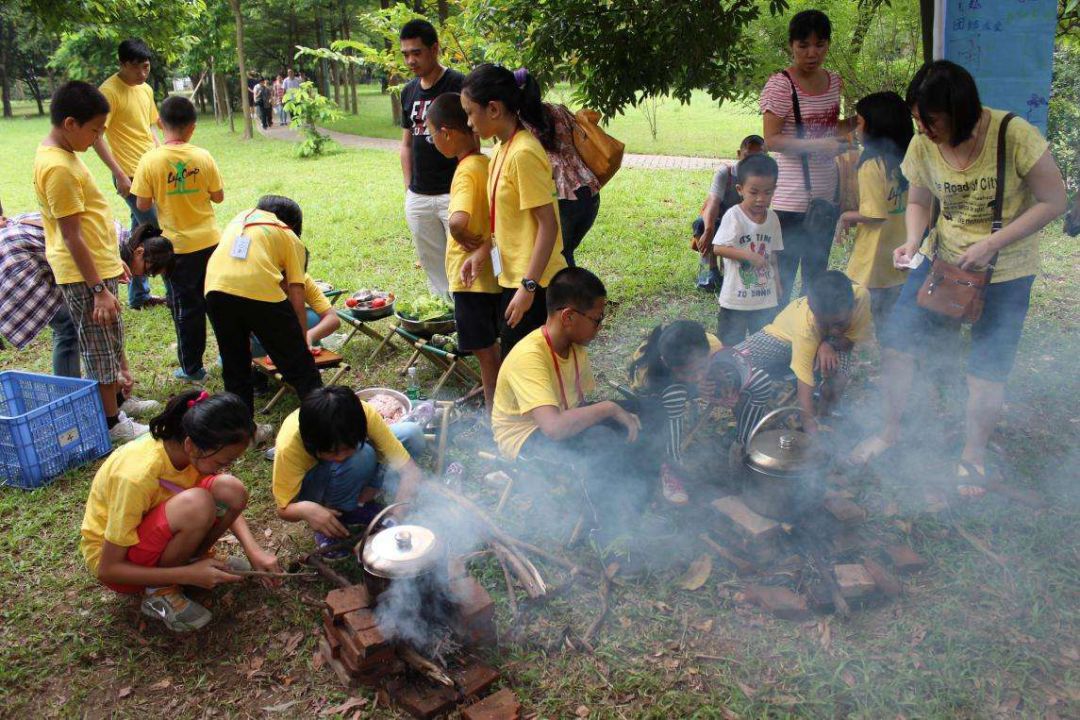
[595, 321]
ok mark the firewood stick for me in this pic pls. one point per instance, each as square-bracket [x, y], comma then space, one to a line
[576, 532]
[265, 573]
[742, 567]
[501, 535]
[444, 431]
[605, 590]
[327, 572]
[424, 666]
[504, 496]
[697, 426]
[980, 545]
[528, 582]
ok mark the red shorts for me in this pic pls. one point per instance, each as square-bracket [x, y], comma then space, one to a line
[154, 536]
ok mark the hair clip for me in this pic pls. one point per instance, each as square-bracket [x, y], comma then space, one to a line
[520, 75]
[202, 396]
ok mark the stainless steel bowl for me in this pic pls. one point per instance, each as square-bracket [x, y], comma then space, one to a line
[373, 313]
[427, 328]
[368, 393]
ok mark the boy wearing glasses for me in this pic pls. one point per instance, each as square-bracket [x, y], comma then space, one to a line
[540, 408]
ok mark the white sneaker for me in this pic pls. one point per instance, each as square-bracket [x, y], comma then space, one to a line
[138, 408]
[126, 430]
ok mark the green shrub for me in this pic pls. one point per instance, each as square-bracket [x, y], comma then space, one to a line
[308, 110]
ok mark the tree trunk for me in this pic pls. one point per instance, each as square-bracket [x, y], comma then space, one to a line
[418, 6]
[350, 72]
[245, 106]
[214, 91]
[444, 10]
[926, 14]
[6, 40]
[322, 72]
[35, 90]
[866, 13]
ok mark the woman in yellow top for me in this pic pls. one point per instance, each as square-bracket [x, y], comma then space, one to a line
[526, 243]
[158, 505]
[244, 296]
[884, 126]
[954, 161]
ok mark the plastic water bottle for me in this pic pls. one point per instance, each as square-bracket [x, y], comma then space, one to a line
[412, 390]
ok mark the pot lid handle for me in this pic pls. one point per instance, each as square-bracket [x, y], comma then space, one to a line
[786, 410]
[358, 551]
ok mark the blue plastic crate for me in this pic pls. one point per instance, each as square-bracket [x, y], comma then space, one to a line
[48, 425]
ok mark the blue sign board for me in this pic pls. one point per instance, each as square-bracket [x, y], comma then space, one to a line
[1008, 46]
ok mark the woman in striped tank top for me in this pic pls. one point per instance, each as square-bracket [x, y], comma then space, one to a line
[818, 92]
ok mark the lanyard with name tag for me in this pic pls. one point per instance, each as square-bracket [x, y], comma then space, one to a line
[241, 244]
[496, 257]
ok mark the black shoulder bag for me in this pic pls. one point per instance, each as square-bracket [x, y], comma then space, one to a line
[821, 214]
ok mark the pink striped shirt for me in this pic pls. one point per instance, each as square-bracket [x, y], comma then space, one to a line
[821, 116]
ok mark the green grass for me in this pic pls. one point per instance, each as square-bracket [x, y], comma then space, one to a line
[701, 128]
[969, 639]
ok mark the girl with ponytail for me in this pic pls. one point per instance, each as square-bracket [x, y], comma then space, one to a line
[158, 505]
[148, 252]
[526, 244]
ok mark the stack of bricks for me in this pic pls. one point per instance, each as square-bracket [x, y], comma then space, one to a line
[352, 645]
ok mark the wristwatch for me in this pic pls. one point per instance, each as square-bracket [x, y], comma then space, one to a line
[529, 285]
[98, 288]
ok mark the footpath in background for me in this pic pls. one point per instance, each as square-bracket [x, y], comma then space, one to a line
[646, 162]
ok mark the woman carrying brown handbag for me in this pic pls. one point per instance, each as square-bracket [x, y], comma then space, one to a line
[954, 160]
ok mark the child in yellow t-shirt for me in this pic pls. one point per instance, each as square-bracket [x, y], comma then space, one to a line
[182, 181]
[158, 505]
[814, 336]
[885, 129]
[328, 463]
[260, 254]
[476, 295]
[81, 244]
[526, 238]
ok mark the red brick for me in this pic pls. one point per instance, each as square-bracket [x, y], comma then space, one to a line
[844, 510]
[365, 649]
[334, 664]
[904, 560]
[343, 600]
[886, 582]
[502, 705]
[357, 621]
[475, 679]
[750, 526]
[779, 601]
[854, 581]
[474, 618]
[333, 639]
[422, 698]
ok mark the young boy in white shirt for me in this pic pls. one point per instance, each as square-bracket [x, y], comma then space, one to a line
[748, 240]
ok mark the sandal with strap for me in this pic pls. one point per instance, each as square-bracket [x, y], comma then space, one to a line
[967, 471]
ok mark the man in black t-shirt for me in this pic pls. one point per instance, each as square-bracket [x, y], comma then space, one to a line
[427, 172]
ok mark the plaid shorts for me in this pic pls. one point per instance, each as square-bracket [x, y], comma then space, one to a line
[101, 347]
[773, 355]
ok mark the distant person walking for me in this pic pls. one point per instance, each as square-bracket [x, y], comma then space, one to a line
[128, 136]
[290, 84]
[427, 172]
[279, 96]
[806, 155]
[264, 103]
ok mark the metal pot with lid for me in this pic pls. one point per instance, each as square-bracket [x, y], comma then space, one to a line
[397, 551]
[783, 469]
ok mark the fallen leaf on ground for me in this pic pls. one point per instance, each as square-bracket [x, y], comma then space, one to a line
[124, 692]
[698, 573]
[268, 532]
[848, 678]
[705, 626]
[353, 702]
[317, 661]
[891, 509]
[746, 689]
[161, 684]
[293, 641]
[825, 628]
[280, 708]
[255, 665]
[582, 711]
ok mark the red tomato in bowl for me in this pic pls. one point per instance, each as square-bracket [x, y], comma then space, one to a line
[378, 303]
[352, 302]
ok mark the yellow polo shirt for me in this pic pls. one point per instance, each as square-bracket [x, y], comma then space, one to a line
[64, 187]
[131, 113]
[179, 179]
[468, 194]
[314, 297]
[880, 197]
[527, 380]
[124, 491]
[525, 182]
[292, 461]
[966, 196]
[795, 325]
[255, 272]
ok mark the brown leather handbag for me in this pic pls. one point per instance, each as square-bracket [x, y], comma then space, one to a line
[959, 294]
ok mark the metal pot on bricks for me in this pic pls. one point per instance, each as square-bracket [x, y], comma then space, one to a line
[397, 552]
[783, 470]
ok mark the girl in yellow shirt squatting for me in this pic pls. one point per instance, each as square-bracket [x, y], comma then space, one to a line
[476, 296]
[885, 129]
[526, 240]
[158, 505]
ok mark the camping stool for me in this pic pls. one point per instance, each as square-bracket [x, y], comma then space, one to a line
[451, 363]
[326, 360]
[364, 326]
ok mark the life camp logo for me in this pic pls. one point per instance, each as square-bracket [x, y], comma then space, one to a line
[179, 178]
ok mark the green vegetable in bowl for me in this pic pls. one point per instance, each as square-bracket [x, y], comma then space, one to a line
[425, 308]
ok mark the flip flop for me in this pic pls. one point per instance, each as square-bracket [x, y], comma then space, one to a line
[866, 451]
[968, 490]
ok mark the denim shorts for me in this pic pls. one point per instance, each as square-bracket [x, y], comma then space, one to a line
[994, 338]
